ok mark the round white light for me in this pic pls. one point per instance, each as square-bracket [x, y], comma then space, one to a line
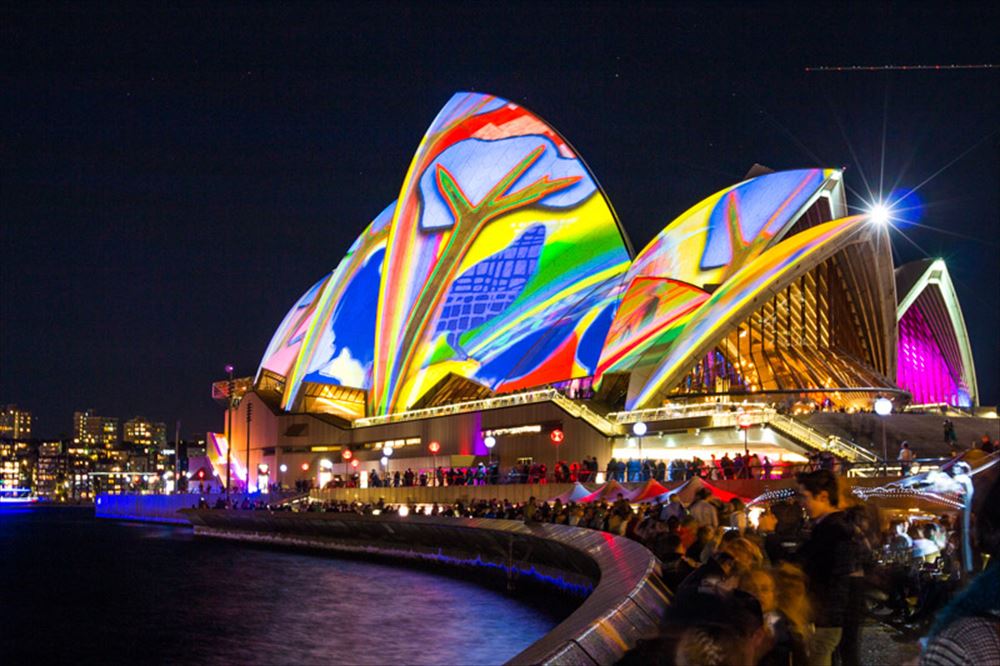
[326, 464]
[387, 450]
[283, 467]
[883, 406]
[404, 511]
[385, 461]
[490, 441]
[879, 214]
[639, 428]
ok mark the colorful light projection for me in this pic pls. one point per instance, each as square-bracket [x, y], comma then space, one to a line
[735, 299]
[650, 307]
[499, 225]
[337, 345]
[285, 343]
[934, 356]
[716, 237]
[922, 369]
[216, 449]
[700, 250]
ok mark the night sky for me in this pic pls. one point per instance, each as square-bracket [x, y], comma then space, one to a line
[174, 178]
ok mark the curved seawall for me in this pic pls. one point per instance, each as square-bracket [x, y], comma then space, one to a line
[626, 599]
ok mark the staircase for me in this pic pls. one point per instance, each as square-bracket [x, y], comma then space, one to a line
[817, 441]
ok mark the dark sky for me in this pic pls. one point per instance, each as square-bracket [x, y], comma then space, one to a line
[174, 178]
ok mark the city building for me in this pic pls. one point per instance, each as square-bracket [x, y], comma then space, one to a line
[15, 423]
[143, 432]
[90, 429]
[17, 462]
[498, 309]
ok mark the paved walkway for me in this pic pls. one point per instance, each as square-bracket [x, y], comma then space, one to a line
[881, 645]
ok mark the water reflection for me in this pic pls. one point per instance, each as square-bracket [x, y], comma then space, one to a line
[97, 591]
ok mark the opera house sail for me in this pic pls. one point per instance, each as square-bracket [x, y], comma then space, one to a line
[501, 267]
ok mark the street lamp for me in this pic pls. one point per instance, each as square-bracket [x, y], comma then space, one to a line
[386, 454]
[249, 418]
[229, 427]
[883, 407]
[281, 479]
[490, 441]
[434, 448]
[639, 429]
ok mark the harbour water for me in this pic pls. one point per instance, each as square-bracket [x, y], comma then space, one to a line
[76, 589]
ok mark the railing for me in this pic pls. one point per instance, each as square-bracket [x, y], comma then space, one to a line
[670, 412]
[895, 468]
[814, 439]
[513, 400]
[606, 427]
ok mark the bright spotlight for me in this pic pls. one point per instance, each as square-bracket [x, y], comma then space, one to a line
[879, 214]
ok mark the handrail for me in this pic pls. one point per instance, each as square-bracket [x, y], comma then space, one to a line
[573, 408]
[606, 427]
[814, 439]
[626, 600]
[684, 411]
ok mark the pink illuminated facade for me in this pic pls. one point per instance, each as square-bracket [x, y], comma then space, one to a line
[934, 360]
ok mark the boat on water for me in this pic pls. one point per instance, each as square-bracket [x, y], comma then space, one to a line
[17, 496]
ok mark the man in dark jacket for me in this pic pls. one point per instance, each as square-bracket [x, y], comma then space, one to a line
[828, 558]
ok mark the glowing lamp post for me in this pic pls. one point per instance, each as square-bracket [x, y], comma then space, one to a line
[639, 429]
[744, 421]
[434, 447]
[386, 455]
[883, 407]
[347, 454]
[229, 426]
[490, 441]
[282, 468]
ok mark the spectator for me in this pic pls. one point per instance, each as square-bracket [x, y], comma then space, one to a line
[967, 630]
[905, 458]
[828, 559]
[702, 511]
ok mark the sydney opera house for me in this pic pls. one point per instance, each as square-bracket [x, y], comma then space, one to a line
[497, 308]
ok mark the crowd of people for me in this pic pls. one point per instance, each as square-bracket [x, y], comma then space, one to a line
[634, 470]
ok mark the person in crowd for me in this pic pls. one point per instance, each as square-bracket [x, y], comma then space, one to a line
[728, 470]
[738, 515]
[924, 548]
[767, 522]
[687, 529]
[828, 559]
[674, 508]
[676, 564]
[634, 469]
[905, 458]
[705, 535]
[967, 630]
[767, 466]
[531, 511]
[703, 511]
[739, 466]
[611, 470]
[986, 443]
[791, 597]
